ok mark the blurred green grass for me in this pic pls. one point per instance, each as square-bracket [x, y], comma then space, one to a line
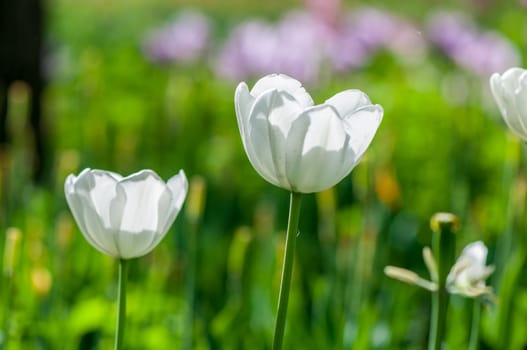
[109, 108]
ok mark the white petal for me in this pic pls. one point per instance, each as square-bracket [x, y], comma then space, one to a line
[143, 191]
[178, 187]
[362, 126]
[244, 102]
[317, 152]
[79, 196]
[520, 101]
[476, 251]
[503, 89]
[348, 101]
[136, 244]
[77, 209]
[285, 83]
[511, 79]
[97, 234]
[269, 123]
[99, 187]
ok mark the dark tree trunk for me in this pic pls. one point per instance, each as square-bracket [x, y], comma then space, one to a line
[21, 42]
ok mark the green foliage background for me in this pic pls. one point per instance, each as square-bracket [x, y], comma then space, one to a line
[109, 108]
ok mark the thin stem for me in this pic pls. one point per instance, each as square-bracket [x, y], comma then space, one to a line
[121, 300]
[437, 325]
[190, 288]
[514, 255]
[474, 331]
[287, 269]
[443, 245]
[507, 294]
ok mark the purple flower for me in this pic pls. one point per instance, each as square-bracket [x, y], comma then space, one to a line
[480, 52]
[373, 27]
[248, 51]
[326, 11]
[294, 46]
[183, 40]
[369, 30]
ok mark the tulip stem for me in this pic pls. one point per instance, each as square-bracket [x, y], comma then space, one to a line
[443, 246]
[474, 331]
[287, 269]
[121, 301]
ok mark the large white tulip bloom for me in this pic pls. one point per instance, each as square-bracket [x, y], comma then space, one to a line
[468, 275]
[510, 93]
[124, 217]
[297, 145]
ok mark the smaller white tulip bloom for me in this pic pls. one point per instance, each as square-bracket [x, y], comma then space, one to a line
[468, 275]
[299, 146]
[510, 92]
[124, 217]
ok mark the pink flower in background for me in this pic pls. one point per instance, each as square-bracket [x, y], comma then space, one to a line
[249, 50]
[327, 11]
[183, 40]
[294, 46]
[373, 27]
[325, 39]
[480, 52]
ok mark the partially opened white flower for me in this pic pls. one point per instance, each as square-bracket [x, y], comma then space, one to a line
[470, 271]
[510, 93]
[297, 145]
[124, 217]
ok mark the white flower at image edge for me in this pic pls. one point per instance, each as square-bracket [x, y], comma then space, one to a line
[297, 145]
[470, 271]
[510, 92]
[124, 217]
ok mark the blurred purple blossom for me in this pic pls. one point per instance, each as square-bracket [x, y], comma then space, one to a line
[304, 43]
[364, 32]
[481, 52]
[325, 39]
[326, 11]
[294, 46]
[182, 40]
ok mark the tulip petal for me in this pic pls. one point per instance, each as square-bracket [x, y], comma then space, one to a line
[243, 104]
[362, 126]
[317, 150]
[504, 88]
[102, 190]
[135, 244]
[348, 101]
[282, 82]
[178, 187]
[520, 102]
[142, 190]
[103, 238]
[93, 221]
[77, 208]
[269, 123]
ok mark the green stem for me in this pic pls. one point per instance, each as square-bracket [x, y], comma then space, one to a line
[437, 325]
[121, 300]
[287, 269]
[507, 296]
[474, 331]
[190, 288]
[443, 246]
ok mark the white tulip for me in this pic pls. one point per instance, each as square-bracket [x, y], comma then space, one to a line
[470, 271]
[124, 217]
[299, 146]
[510, 93]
